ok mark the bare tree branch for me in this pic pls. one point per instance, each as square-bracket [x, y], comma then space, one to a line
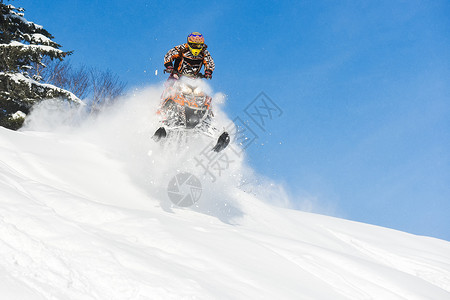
[99, 88]
[106, 87]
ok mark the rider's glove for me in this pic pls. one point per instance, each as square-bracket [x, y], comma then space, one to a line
[208, 74]
[169, 69]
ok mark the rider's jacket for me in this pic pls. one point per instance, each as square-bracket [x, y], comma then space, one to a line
[186, 63]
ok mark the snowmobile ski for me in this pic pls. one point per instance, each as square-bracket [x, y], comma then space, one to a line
[222, 142]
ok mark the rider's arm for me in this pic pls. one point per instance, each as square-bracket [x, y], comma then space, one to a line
[208, 61]
[173, 54]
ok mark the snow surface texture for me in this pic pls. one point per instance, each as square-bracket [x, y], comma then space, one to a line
[84, 214]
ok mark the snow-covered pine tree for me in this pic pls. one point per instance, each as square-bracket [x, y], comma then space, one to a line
[23, 45]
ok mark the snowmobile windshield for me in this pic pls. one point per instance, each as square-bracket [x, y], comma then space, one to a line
[185, 88]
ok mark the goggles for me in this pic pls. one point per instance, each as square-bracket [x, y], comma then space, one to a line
[195, 46]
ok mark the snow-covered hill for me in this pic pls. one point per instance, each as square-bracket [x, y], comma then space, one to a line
[84, 214]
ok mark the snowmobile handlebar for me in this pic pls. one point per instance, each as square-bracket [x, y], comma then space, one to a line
[199, 75]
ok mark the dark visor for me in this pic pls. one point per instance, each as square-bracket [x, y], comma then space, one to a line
[196, 46]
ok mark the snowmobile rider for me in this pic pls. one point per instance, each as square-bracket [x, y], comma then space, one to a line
[189, 58]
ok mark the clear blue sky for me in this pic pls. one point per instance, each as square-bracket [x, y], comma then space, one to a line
[364, 87]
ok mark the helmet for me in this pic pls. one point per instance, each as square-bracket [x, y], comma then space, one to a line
[196, 42]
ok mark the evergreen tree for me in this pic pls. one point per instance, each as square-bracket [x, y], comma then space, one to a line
[23, 45]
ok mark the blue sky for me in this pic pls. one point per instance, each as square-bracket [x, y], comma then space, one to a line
[364, 87]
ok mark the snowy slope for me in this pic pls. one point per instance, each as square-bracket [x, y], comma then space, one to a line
[86, 216]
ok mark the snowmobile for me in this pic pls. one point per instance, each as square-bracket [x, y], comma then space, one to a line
[185, 110]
